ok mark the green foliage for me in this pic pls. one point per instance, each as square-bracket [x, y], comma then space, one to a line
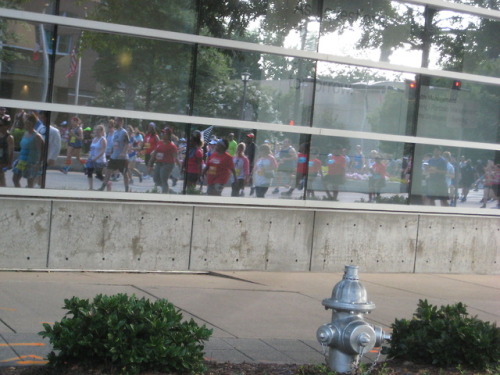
[126, 334]
[445, 337]
[362, 369]
[315, 370]
[393, 199]
[8, 34]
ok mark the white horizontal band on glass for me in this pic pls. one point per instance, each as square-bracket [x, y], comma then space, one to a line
[239, 124]
[236, 45]
[269, 203]
[461, 8]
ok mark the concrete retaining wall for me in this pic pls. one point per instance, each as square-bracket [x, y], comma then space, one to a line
[105, 235]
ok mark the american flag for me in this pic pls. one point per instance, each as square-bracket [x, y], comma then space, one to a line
[73, 63]
[205, 134]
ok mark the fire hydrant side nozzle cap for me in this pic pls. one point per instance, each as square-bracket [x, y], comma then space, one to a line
[349, 294]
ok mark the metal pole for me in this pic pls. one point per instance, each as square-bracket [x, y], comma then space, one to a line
[78, 75]
[244, 101]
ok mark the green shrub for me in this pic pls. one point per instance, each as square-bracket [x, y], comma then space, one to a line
[445, 337]
[393, 199]
[126, 334]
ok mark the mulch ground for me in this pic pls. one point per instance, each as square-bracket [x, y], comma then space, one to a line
[213, 368]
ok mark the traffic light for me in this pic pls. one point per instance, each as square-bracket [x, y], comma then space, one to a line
[411, 89]
[457, 85]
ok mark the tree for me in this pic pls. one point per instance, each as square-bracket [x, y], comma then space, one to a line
[153, 75]
[7, 36]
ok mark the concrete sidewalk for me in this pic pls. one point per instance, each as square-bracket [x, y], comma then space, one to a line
[255, 316]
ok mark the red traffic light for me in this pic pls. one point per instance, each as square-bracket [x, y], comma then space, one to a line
[457, 85]
[412, 85]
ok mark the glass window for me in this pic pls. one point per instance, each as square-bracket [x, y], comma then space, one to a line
[449, 176]
[354, 170]
[362, 99]
[63, 44]
[462, 42]
[411, 35]
[168, 15]
[104, 70]
[212, 153]
[289, 24]
[253, 87]
[459, 110]
[24, 61]
[39, 6]
[115, 71]
[83, 143]
[379, 30]
[478, 3]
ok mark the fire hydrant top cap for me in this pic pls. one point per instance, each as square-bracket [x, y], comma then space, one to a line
[349, 294]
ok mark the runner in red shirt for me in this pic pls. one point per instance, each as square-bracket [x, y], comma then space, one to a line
[377, 179]
[165, 158]
[219, 166]
[150, 140]
[300, 173]
[314, 172]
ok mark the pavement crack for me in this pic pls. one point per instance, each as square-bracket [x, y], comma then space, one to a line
[216, 274]
[310, 346]
[8, 326]
[187, 312]
[467, 282]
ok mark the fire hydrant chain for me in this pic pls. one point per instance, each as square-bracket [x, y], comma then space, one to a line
[375, 362]
[325, 353]
[355, 364]
[348, 335]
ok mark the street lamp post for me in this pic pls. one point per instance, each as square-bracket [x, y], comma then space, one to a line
[245, 77]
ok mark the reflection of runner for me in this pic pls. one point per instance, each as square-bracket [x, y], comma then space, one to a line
[250, 154]
[119, 157]
[135, 145]
[436, 179]
[300, 173]
[287, 159]
[376, 181]
[264, 170]
[75, 143]
[242, 168]
[54, 143]
[150, 140]
[165, 158]
[336, 173]
[54, 147]
[490, 180]
[30, 156]
[6, 148]
[357, 164]
[219, 166]
[194, 161]
[314, 172]
[97, 156]
[466, 179]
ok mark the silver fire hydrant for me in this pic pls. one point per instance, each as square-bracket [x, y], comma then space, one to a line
[348, 336]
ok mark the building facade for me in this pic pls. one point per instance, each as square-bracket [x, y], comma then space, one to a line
[375, 112]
